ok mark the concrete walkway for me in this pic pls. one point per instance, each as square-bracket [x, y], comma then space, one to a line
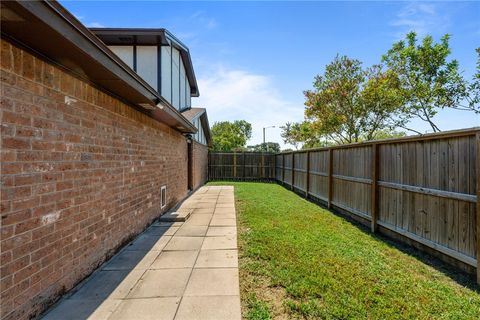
[171, 271]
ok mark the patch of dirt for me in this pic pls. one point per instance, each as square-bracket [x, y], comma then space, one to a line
[253, 283]
[273, 296]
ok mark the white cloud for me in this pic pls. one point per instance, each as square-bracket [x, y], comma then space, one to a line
[203, 20]
[83, 20]
[95, 25]
[423, 18]
[79, 17]
[233, 94]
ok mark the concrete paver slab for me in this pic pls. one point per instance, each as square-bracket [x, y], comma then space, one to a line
[221, 231]
[192, 231]
[166, 224]
[161, 231]
[199, 220]
[224, 216]
[184, 243]
[226, 199]
[127, 260]
[188, 206]
[146, 243]
[126, 285]
[219, 243]
[225, 222]
[213, 282]
[217, 259]
[147, 309]
[99, 309]
[225, 205]
[175, 259]
[100, 286]
[224, 211]
[209, 308]
[212, 200]
[203, 211]
[205, 205]
[161, 283]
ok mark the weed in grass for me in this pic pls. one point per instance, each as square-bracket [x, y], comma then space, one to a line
[257, 310]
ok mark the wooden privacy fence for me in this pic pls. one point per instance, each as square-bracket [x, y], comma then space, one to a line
[424, 188]
[241, 166]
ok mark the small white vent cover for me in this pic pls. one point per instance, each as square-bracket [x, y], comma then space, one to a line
[163, 196]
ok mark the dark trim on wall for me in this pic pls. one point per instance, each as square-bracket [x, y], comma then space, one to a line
[135, 58]
[171, 74]
[190, 163]
[159, 69]
[185, 93]
[180, 107]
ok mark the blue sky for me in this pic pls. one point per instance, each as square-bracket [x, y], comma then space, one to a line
[253, 60]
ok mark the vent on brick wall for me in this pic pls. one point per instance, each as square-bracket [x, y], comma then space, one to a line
[163, 196]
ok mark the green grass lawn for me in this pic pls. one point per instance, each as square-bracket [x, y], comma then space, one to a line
[298, 260]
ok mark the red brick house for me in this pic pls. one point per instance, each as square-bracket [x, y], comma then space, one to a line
[88, 140]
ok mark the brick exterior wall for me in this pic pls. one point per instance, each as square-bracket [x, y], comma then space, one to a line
[78, 180]
[200, 164]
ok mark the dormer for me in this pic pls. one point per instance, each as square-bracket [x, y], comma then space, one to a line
[159, 58]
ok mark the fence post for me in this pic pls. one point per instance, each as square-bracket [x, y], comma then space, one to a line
[307, 186]
[244, 166]
[330, 178]
[477, 155]
[293, 172]
[263, 165]
[235, 164]
[275, 167]
[283, 169]
[374, 187]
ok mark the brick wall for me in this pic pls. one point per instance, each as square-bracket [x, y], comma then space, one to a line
[78, 180]
[200, 164]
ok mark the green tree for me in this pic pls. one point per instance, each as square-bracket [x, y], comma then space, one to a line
[381, 102]
[229, 136]
[291, 134]
[386, 134]
[302, 133]
[311, 139]
[428, 81]
[473, 91]
[349, 104]
[265, 147]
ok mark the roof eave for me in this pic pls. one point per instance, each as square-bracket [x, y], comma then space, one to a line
[75, 48]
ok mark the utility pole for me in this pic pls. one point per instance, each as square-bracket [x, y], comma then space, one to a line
[264, 145]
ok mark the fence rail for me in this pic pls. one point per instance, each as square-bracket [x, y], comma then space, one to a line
[424, 188]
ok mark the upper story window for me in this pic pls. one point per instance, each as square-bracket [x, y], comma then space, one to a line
[159, 58]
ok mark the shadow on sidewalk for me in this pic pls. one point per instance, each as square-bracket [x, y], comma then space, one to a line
[98, 296]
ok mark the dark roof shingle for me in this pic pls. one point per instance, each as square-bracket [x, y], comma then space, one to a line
[192, 113]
